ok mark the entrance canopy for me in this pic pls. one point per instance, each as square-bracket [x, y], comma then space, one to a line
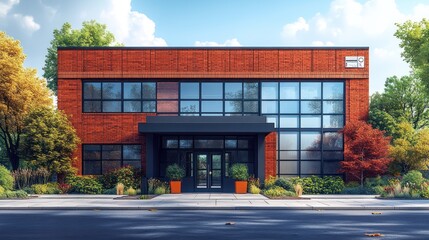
[206, 124]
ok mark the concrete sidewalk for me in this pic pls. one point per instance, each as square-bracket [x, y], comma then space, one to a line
[211, 202]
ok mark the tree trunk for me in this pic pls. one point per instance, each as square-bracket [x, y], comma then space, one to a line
[361, 178]
[13, 158]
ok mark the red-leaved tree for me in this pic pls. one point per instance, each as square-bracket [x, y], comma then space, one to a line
[365, 151]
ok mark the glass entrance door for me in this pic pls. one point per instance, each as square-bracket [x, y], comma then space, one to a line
[208, 171]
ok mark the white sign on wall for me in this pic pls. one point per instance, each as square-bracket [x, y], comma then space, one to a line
[355, 62]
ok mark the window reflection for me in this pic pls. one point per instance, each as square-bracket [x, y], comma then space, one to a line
[233, 90]
[211, 90]
[269, 90]
[333, 90]
[311, 90]
[289, 90]
[189, 90]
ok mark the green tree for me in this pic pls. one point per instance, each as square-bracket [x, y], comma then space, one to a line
[91, 34]
[414, 37]
[50, 141]
[20, 91]
[404, 99]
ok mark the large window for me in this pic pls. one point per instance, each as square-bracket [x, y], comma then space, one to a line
[100, 159]
[119, 97]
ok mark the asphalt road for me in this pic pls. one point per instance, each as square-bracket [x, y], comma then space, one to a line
[172, 225]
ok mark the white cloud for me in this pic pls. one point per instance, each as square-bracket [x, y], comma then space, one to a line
[130, 27]
[27, 22]
[291, 29]
[6, 5]
[228, 43]
[358, 23]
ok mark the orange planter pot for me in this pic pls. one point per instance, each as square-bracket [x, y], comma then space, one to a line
[175, 187]
[240, 187]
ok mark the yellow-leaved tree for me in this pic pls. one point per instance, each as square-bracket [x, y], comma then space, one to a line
[20, 91]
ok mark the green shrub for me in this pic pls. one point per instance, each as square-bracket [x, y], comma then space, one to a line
[254, 189]
[317, 185]
[154, 183]
[275, 191]
[239, 172]
[358, 190]
[175, 172]
[425, 193]
[26, 177]
[131, 192]
[111, 191]
[254, 181]
[28, 190]
[352, 184]
[1, 190]
[413, 179]
[49, 188]
[127, 175]
[160, 190]
[378, 190]
[284, 183]
[84, 184]
[6, 179]
[377, 181]
[269, 182]
[21, 194]
[289, 194]
[13, 194]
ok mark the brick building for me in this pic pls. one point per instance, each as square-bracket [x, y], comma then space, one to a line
[278, 110]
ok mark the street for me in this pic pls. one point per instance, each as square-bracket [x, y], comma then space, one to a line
[212, 224]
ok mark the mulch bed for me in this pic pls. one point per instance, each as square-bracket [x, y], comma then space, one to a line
[137, 197]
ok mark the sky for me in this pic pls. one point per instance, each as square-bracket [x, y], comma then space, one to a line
[271, 23]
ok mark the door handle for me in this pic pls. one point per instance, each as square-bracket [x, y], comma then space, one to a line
[210, 173]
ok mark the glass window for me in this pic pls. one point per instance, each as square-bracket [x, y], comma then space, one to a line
[92, 152]
[109, 166]
[208, 143]
[167, 106]
[166, 90]
[269, 107]
[310, 121]
[186, 143]
[289, 121]
[289, 155]
[111, 152]
[92, 167]
[243, 143]
[149, 106]
[310, 167]
[170, 142]
[311, 107]
[92, 106]
[211, 90]
[231, 143]
[132, 90]
[289, 90]
[311, 90]
[190, 90]
[251, 90]
[272, 119]
[333, 121]
[250, 106]
[310, 141]
[233, 90]
[310, 155]
[111, 90]
[112, 106]
[288, 140]
[289, 107]
[288, 167]
[333, 155]
[333, 90]
[149, 90]
[331, 167]
[131, 152]
[211, 106]
[132, 106]
[333, 106]
[133, 163]
[332, 141]
[92, 90]
[233, 106]
[189, 106]
[269, 90]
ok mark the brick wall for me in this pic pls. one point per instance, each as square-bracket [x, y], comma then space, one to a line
[270, 155]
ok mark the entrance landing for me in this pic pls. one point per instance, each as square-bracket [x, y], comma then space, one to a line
[211, 196]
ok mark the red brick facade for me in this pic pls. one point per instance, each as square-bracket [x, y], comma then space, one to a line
[208, 63]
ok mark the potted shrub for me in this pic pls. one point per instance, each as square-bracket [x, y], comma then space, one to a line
[175, 173]
[240, 174]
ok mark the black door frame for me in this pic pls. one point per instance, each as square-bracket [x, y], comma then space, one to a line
[209, 170]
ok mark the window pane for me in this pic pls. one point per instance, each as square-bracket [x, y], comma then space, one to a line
[132, 106]
[135, 164]
[109, 166]
[186, 143]
[190, 90]
[289, 107]
[311, 107]
[288, 141]
[233, 106]
[243, 156]
[251, 90]
[333, 155]
[149, 106]
[91, 90]
[288, 155]
[250, 106]
[310, 140]
[310, 167]
[230, 143]
[272, 119]
[92, 106]
[208, 143]
[332, 141]
[310, 121]
[110, 152]
[331, 167]
[91, 167]
[289, 121]
[311, 90]
[233, 90]
[167, 106]
[333, 106]
[149, 90]
[333, 90]
[132, 152]
[243, 143]
[310, 155]
[269, 90]
[211, 90]
[170, 142]
[166, 90]
[132, 90]
[189, 106]
[288, 167]
[289, 90]
[333, 121]
[111, 90]
[211, 106]
[92, 152]
[111, 106]
[269, 107]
